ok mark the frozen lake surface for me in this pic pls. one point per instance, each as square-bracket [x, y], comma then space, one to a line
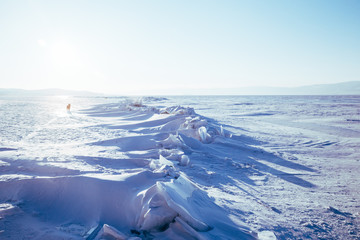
[184, 167]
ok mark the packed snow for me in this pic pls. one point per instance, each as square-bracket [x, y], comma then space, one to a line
[251, 167]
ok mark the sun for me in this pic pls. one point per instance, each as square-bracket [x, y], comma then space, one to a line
[66, 65]
[65, 55]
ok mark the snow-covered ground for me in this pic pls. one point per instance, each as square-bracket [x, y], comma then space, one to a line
[267, 167]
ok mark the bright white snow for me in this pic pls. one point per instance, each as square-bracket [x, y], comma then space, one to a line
[115, 168]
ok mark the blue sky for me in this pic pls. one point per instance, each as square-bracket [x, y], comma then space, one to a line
[150, 46]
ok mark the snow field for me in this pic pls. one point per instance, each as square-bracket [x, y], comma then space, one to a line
[147, 196]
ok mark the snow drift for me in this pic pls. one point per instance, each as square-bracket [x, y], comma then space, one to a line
[126, 181]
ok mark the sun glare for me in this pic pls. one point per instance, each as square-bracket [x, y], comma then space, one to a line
[65, 55]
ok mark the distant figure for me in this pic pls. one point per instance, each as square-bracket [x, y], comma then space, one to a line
[68, 107]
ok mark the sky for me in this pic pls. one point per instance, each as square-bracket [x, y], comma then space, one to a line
[162, 45]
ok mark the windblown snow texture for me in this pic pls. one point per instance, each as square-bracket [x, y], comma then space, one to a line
[124, 170]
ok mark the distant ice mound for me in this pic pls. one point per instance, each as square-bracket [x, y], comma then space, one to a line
[177, 110]
[133, 105]
[175, 120]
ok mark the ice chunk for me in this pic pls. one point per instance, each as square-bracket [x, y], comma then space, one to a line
[155, 213]
[266, 235]
[159, 214]
[172, 142]
[184, 160]
[172, 154]
[164, 202]
[177, 193]
[204, 136]
[190, 142]
[109, 232]
[156, 164]
[162, 165]
[164, 161]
